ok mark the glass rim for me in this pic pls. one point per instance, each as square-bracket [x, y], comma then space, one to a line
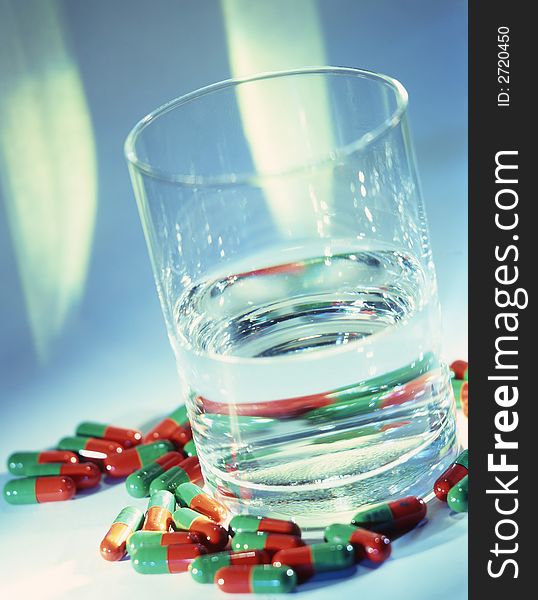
[251, 178]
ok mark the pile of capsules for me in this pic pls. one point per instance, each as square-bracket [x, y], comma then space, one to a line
[185, 529]
[78, 462]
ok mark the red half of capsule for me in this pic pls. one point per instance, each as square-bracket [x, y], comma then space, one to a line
[244, 494]
[409, 391]
[126, 437]
[122, 465]
[192, 468]
[85, 475]
[215, 535]
[112, 546]
[370, 545]
[458, 367]
[181, 435]
[299, 559]
[54, 489]
[180, 556]
[448, 480]
[182, 537]
[279, 526]
[157, 519]
[101, 449]
[234, 580]
[407, 512]
[162, 431]
[289, 407]
[249, 557]
[57, 456]
[281, 541]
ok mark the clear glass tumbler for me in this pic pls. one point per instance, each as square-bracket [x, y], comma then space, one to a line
[291, 254]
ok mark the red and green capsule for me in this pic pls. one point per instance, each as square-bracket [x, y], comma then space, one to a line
[34, 490]
[189, 449]
[203, 568]
[174, 427]
[256, 579]
[176, 558]
[138, 483]
[458, 496]
[126, 437]
[19, 463]
[135, 458]
[272, 542]
[459, 368]
[141, 539]
[114, 544]
[189, 520]
[252, 523]
[85, 475]
[187, 470]
[306, 561]
[367, 544]
[161, 506]
[191, 496]
[457, 471]
[91, 448]
[394, 517]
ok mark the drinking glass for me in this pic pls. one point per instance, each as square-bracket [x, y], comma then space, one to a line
[291, 254]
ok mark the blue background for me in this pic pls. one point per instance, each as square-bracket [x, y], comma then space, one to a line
[132, 56]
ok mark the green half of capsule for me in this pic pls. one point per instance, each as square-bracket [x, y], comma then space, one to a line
[140, 539]
[149, 452]
[91, 429]
[225, 423]
[456, 389]
[203, 568]
[130, 516]
[379, 514]
[189, 449]
[138, 483]
[463, 459]
[163, 499]
[179, 415]
[169, 480]
[458, 496]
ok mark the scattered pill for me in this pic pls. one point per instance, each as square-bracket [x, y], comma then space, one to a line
[457, 471]
[85, 475]
[19, 462]
[140, 539]
[114, 543]
[135, 458]
[256, 579]
[272, 542]
[181, 435]
[126, 437]
[160, 509]
[189, 449]
[150, 560]
[367, 544]
[91, 448]
[459, 368]
[189, 520]
[306, 561]
[191, 496]
[394, 517]
[251, 523]
[32, 490]
[138, 483]
[458, 496]
[187, 470]
[168, 426]
[203, 568]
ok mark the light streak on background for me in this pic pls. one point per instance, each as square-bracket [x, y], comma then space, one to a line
[48, 172]
[279, 139]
